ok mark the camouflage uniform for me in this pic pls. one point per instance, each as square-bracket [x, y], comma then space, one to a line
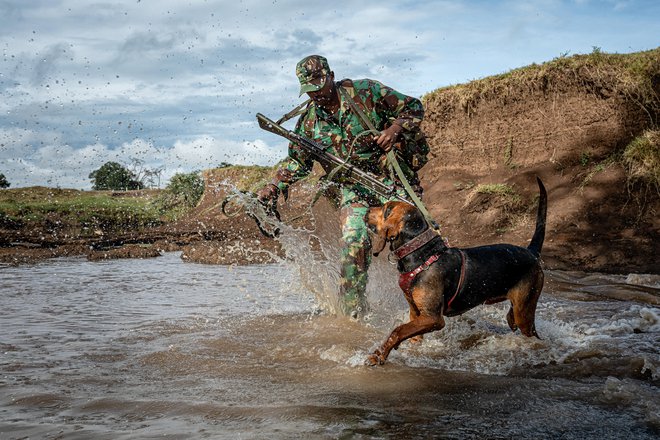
[346, 136]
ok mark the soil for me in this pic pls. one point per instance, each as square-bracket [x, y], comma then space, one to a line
[597, 219]
[565, 133]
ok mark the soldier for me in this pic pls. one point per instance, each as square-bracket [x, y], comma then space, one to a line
[332, 119]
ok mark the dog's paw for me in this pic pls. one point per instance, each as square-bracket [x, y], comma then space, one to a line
[374, 359]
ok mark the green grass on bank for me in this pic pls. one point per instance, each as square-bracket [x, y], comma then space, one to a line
[642, 159]
[633, 77]
[78, 212]
[54, 208]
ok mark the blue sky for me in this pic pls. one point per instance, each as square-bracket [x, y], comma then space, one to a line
[176, 84]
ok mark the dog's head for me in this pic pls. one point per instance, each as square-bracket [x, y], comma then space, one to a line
[394, 223]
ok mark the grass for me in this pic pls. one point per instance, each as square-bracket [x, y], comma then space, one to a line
[629, 76]
[513, 209]
[460, 186]
[641, 159]
[596, 169]
[614, 158]
[501, 189]
[249, 178]
[508, 154]
[54, 209]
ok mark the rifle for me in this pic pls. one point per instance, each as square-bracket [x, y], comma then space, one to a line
[330, 161]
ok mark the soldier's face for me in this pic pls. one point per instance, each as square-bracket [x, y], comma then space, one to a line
[325, 94]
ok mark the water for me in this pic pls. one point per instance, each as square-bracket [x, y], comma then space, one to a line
[162, 348]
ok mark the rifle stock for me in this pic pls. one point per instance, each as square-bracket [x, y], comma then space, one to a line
[330, 161]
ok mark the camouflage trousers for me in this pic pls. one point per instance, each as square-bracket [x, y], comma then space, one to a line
[355, 257]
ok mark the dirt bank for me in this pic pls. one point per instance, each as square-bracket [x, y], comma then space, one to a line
[569, 121]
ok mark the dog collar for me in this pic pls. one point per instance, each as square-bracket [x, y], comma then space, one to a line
[415, 243]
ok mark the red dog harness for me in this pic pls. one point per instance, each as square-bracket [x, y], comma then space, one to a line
[406, 279]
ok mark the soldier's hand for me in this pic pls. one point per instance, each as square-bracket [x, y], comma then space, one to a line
[388, 137]
[268, 193]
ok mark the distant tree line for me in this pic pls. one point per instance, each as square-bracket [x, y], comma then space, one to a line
[183, 190]
[117, 177]
[114, 176]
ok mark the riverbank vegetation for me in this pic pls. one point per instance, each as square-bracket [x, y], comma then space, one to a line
[642, 159]
[248, 178]
[87, 213]
[77, 212]
[633, 76]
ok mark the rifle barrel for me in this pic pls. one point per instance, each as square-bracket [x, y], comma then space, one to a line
[329, 160]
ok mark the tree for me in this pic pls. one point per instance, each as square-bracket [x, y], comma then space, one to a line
[114, 176]
[152, 177]
[187, 187]
[182, 193]
[4, 183]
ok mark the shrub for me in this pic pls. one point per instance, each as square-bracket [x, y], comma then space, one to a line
[495, 188]
[642, 159]
[187, 187]
[182, 193]
[4, 183]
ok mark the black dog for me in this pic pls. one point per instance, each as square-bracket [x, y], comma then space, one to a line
[440, 281]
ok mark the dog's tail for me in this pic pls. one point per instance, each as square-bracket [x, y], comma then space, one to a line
[539, 234]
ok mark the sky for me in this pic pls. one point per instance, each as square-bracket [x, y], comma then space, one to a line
[174, 85]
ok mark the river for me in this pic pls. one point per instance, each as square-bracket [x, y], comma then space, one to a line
[161, 348]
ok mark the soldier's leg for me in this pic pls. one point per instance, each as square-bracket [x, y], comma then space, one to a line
[354, 260]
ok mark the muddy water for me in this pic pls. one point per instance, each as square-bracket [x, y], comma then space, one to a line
[167, 349]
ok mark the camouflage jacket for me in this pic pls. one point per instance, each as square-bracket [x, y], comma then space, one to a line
[346, 136]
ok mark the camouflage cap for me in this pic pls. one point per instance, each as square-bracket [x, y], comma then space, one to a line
[309, 68]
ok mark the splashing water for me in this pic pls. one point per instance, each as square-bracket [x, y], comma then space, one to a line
[159, 347]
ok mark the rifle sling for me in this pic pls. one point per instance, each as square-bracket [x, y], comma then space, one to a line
[293, 113]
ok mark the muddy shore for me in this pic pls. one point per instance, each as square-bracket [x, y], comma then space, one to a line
[568, 122]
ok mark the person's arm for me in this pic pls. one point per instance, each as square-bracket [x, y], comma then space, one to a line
[404, 112]
[295, 167]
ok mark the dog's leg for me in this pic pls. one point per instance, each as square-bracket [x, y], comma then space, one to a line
[414, 314]
[511, 320]
[524, 298]
[530, 309]
[418, 326]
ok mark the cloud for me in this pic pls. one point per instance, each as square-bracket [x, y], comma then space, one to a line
[46, 62]
[55, 164]
[177, 84]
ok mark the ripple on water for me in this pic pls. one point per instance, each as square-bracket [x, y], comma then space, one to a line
[145, 348]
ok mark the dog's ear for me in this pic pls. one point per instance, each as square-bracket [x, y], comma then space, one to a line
[380, 232]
